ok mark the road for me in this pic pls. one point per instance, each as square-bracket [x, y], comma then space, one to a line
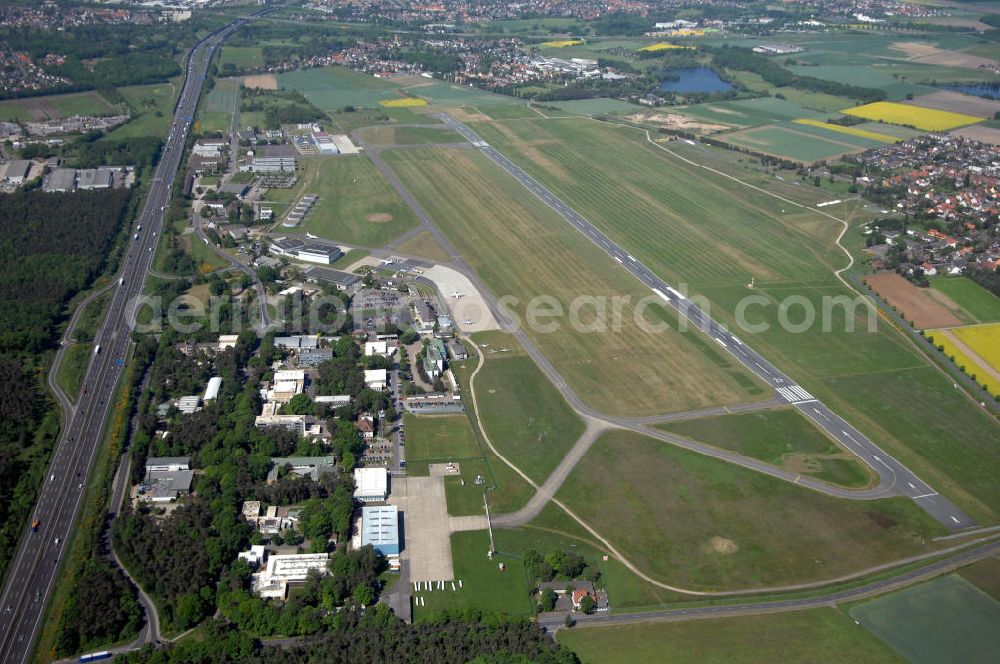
[36, 564]
[554, 622]
[896, 479]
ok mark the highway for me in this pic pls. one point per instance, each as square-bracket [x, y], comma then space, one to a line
[36, 564]
[896, 479]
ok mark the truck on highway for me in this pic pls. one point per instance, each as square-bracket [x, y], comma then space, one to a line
[34, 525]
[95, 656]
[97, 349]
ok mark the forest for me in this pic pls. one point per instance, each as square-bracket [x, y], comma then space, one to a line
[377, 636]
[60, 241]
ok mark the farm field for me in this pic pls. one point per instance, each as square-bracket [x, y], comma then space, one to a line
[333, 88]
[799, 143]
[216, 113]
[750, 112]
[241, 57]
[928, 119]
[741, 529]
[984, 340]
[781, 437]
[915, 304]
[985, 575]
[437, 439]
[866, 76]
[484, 586]
[521, 248]
[849, 131]
[947, 619]
[54, 107]
[814, 101]
[977, 302]
[965, 358]
[668, 212]
[356, 205]
[957, 102]
[525, 417]
[819, 635]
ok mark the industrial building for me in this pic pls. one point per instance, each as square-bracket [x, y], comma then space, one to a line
[17, 171]
[189, 404]
[93, 178]
[434, 404]
[297, 341]
[269, 165]
[168, 464]
[312, 357]
[314, 252]
[372, 484]
[61, 180]
[324, 143]
[280, 571]
[380, 528]
[376, 379]
[167, 478]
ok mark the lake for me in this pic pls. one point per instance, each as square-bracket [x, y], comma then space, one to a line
[988, 90]
[695, 79]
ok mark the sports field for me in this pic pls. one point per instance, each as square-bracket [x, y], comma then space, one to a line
[701, 523]
[820, 635]
[977, 302]
[54, 107]
[944, 620]
[782, 437]
[356, 205]
[927, 119]
[701, 229]
[521, 248]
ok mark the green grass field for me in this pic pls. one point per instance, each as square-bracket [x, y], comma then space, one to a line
[978, 303]
[356, 204]
[711, 235]
[525, 417]
[985, 575]
[819, 635]
[330, 89]
[506, 111]
[595, 106]
[798, 142]
[151, 109]
[437, 439]
[241, 57]
[813, 101]
[701, 523]
[442, 93]
[54, 107]
[880, 77]
[74, 364]
[782, 437]
[944, 620]
[484, 586]
[216, 112]
[522, 248]
[388, 135]
[751, 112]
[424, 244]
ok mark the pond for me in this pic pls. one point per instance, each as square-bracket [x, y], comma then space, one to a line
[988, 90]
[695, 79]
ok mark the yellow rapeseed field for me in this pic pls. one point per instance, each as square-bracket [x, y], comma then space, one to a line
[564, 42]
[925, 119]
[983, 377]
[663, 46]
[402, 103]
[984, 340]
[853, 131]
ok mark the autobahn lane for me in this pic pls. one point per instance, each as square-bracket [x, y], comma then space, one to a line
[895, 478]
[36, 564]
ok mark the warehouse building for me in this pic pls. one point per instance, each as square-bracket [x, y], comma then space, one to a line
[212, 390]
[380, 528]
[61, 180]
[372, 484]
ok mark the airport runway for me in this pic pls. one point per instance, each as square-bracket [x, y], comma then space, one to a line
[896, 479]
[36, 564]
